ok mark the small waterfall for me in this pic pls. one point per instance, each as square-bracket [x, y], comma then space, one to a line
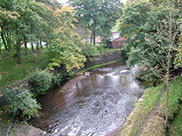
[135, 70]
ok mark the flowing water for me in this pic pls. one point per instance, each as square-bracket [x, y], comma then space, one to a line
[94, 105]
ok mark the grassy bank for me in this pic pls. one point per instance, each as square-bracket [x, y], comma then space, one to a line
[156, 124]
[176, 125]
[141, 110]
[94, 67]
[11, 72]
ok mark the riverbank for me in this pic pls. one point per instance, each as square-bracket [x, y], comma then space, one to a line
[148, 116]
[90, 105]
[24, 84]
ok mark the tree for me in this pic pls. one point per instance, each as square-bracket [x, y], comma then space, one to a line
[162, 47]
[64, 49]
[135, 23]
[7, 19]
[97, 15]
[20, 21]
[153, 39]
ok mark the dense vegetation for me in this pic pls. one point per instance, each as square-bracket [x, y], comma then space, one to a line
[154, 38]
[153, 31]
[39, 37]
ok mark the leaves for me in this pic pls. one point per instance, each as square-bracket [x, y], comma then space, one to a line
[65, 49]
[20, 101]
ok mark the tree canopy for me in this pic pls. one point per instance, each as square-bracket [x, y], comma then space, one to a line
[98, 15]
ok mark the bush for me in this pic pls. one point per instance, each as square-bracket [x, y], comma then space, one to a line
[20, 102]
[40, 82]
[90, 51]
[57, 78]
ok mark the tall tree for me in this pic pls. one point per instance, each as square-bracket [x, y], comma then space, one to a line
[64, 49]
[153, 31]
[97, 15]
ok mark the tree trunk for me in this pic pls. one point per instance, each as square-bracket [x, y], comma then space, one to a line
[26, 49]
[37, 47]
[32, 47]
[8, 39]
[86, 36]
[25, 44]
[93, 32]
[0, 48]
[41, 44]
[91, 38]
[4, 42]
[47, 44]
[167, 101]
[18, 52]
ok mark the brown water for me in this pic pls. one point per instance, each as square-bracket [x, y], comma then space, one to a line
[90, 106]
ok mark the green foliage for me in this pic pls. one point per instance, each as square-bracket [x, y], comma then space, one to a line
[65, 49]
[98, 15]
[134, 57]
[20, 102]
[147, 28]
[175, 128]
[11, 72]
[57, 78]
[178, 57]
[40, 82]
[141, 110]
[175, 97]
[90, 51]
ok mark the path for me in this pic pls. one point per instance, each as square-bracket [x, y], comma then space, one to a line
[150, 115]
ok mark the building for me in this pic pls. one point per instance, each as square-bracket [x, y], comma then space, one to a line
[117, 42]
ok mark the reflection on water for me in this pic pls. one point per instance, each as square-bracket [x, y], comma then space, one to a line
[90, 106]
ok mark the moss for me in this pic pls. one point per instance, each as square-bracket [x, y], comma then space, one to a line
[141, 111]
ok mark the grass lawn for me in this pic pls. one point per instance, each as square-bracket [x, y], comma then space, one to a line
[176, 125]
[11, 72]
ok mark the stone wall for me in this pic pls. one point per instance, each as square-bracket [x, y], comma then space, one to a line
[106, 57]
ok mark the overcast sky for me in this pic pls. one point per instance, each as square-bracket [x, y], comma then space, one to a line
[64, 1]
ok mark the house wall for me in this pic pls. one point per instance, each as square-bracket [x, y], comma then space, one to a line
[118, 43]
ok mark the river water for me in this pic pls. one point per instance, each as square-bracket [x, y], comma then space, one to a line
[94, 105]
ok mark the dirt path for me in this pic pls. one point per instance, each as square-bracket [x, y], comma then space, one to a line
[150, 115]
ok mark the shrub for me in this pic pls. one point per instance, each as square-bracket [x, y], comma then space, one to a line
[57, 78]
[20, 102]
[40, 82]
[90, 51]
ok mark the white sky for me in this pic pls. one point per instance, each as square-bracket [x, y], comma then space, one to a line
[64, 1]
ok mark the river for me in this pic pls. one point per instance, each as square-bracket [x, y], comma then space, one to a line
[94, 105]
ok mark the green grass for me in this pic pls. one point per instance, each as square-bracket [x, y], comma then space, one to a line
[102, 49]
[94, 67]
[141, 110]
[11, 72]
[156, 125]
[175, 95]
[176, 125]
